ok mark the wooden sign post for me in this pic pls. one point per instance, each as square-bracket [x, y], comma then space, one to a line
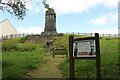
[98, 66]
[71, 56]
[85, 48]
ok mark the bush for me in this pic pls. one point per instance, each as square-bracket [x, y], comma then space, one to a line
[23, 39]
[8, 47]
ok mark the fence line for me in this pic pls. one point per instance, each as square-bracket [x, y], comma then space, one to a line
[12, 36]
[93, 34]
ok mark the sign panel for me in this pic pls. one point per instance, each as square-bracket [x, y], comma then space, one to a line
[84, 48]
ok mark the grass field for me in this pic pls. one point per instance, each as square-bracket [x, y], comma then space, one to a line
[87, 68]
[19, 58]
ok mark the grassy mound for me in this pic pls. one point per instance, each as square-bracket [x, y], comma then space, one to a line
[20, 57]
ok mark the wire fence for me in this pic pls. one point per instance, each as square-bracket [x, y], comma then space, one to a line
[12, 36]
[93, 34]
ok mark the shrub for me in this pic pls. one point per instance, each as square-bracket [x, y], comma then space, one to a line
[23, 39]
[8, 47]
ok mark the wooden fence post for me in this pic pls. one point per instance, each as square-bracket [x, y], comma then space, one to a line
[73, 33]
[103, 34]
[7, 37]
[71, 59]
[2, 37]
[98, 66]
[91, 34]
[109, 35]
[10, 36]
[23, 34]
[15, 35]
[20, 35]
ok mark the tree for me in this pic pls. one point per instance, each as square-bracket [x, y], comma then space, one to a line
[14, 7]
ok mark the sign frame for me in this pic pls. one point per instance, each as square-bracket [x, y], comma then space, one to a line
[97, 57]
[84, 52]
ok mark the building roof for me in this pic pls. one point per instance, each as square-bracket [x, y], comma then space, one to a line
[6, 28]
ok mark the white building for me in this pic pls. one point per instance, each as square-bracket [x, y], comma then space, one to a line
[6, 28]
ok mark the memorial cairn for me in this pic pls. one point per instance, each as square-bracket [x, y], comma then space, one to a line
[50, 26]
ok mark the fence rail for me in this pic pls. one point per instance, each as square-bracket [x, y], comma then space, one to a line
[12, 36]
[93, 34]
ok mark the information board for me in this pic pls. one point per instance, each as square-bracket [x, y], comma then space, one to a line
[84, 48]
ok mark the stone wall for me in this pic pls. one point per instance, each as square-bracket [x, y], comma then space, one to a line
[41, 38]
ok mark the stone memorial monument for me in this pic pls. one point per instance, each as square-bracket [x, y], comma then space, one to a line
[50, 27]
[50, 21]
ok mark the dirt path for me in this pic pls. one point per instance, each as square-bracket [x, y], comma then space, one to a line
[49, 69]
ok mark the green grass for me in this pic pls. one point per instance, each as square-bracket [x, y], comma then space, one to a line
[87, 68]
[19, 58]
[49, 69]
[17, 45]
[16, 64]
[63, 41]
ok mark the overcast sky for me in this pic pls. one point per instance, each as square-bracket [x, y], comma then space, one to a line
[72, 16]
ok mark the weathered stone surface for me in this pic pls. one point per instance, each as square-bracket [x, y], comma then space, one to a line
[50, 21]
[41, 38]
[50, 24]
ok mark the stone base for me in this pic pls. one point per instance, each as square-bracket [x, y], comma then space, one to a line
[44, 37]
[51, 34]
